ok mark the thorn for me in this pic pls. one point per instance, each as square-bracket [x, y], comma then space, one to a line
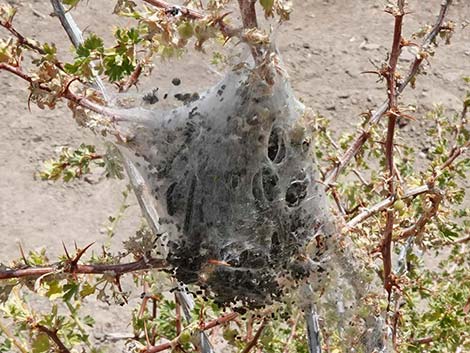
[66, 251]
[29, 101]
[407, 116]
[81, 252]
[146, 334]
[26, 262]
[117, 279]
[378, 73]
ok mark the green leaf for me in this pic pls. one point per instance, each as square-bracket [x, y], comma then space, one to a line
[41, 343]
[117, 66]
[267, 6]
[5, 346]
[55, 290]
[70, 289]
[87, 289]
[71, 3]
[7, 13]
[5, 287]
[185, 30]
[89, 321]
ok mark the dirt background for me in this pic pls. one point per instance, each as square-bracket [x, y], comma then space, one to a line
[325, 48]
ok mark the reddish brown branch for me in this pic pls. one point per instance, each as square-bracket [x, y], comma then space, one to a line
[356, 147]
[350, 153]
[23, 41]
[424, 340]
[133, 78]
[204, 326]
[248, 13]
[292, 334]
[429, 212]
[177, 315]
[454, 154]
[255, 339]
[249, 20]
[67, 93]
[369, 211]
[393, 113]
[414, 68]
[116, 269]
[219, 321]
[52, 334]
[386, 250]
[463, 240]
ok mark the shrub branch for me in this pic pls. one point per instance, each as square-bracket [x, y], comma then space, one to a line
[116, 269]
[52, 334]
[356, 146]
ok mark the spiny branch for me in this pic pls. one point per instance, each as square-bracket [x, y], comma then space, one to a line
[115, 269]
[66, 93]
[429, 212]
[186, 12]
[386, 250]
[203, 327]
[356, 146]
[428, 40]
[255, 339]
[393, 114]
[226, 30]
[292, 335]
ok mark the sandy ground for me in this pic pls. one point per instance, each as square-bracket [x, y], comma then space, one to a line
[325, 48]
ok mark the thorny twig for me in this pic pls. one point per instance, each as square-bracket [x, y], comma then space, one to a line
[463, 240]
[292, 335]
[177, 315]
[203, 327]
[356, 146]
[255, 339]
[133, 78]
[116, 269]
[428, 188]
[66, 93]
[184, 11]
[226, 30]
[370, 211]
[393, 113]
[386, 250]
[429, 212]
[52, 334]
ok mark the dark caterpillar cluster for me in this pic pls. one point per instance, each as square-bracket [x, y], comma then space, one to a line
[234, 182]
